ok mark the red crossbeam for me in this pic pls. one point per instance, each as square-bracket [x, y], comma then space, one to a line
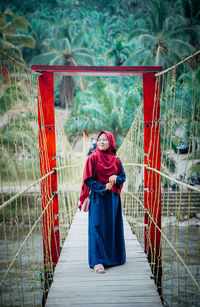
[97, 70]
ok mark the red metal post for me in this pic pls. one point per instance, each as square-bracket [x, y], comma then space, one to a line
[152, 183]
[47, 143]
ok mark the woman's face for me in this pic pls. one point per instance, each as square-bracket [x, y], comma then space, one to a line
[102, 142]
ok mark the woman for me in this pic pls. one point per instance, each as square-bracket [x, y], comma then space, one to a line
[103, 178]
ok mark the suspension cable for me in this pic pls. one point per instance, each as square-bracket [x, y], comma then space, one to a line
[164, 236]
[179, 63]
[164, 175]
[67, 166]
[6, 203]
[25, 240]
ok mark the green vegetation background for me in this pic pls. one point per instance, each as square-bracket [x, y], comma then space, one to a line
[88, 32]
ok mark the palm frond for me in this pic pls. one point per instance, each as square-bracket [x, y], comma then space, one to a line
[12, 50]
[138, 56]
[82, 58]
[21, 40]
[181, 45]
[136, 33]
[18, 22]
[45, 58]
[58, 60]
[147, 39]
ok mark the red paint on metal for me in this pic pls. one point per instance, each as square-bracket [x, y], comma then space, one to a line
[152, 184]
[47, 143]
[152, 154]
[97, 70]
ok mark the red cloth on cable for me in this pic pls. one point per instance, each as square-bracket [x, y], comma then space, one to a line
[101, 165]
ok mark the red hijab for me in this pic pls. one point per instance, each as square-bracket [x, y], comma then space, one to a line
[101, 165]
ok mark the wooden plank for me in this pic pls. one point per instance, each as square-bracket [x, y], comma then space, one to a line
[75, 284]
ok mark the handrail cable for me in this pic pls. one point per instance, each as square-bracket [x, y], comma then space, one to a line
[162, 174]
[164, 236]
[6, 203]
[67, 166]
[28, 235]
[179, 63]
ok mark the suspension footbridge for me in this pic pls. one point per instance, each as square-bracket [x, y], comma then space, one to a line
[41, 256]
[131, 284]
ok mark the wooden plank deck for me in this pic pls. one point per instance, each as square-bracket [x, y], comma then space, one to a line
[75, 284]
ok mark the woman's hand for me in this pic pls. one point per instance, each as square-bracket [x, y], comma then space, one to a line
[113, 179]
[108, 186]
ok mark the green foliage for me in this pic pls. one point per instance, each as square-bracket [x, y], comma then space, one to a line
[17, 145]
[169, 163]
[106, 33]
[113, 32]
[10, 95]
[180, 113]
[119, 52]
[104, 108]
[20, 40]
[12, 39]
[162, 34]
[188, 101]
[195, 169]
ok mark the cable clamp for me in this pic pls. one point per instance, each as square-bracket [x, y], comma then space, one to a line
[152, 122]
[56, 156]
[48, 126]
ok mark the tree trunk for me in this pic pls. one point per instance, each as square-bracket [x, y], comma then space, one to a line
[5, 74]
[67, 91]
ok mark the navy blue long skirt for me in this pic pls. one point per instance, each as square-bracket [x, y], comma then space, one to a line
[105, 228]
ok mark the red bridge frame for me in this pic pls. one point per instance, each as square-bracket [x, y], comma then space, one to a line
[152, 187]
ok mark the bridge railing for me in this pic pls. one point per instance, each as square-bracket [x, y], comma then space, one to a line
[27, 220]
[23, 277]
[22, 271]
[179, 93]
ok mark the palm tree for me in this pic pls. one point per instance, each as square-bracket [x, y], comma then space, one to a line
[160, 35]
[65, 51]
[106, 109]
[12, 40]
[191, 104]
[120, 51]
[40, 28]
[191, 12]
